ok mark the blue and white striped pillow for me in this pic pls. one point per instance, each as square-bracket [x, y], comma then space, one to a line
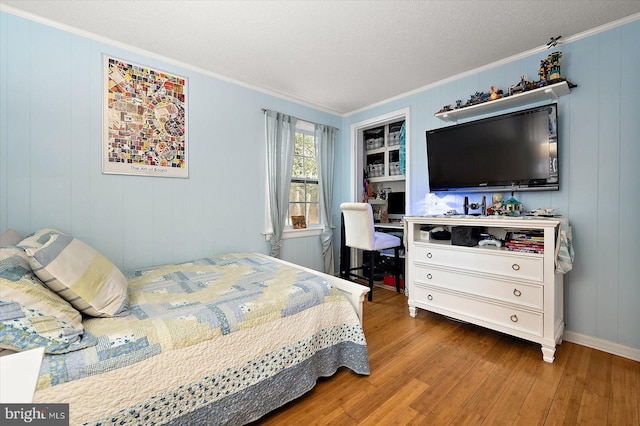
[33, 316]
[81, 275]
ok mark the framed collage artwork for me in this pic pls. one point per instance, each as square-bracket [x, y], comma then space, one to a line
[144, 121]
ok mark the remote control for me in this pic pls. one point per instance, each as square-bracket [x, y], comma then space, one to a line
[490, 242]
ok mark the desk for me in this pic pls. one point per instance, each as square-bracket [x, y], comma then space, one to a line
[390, 225]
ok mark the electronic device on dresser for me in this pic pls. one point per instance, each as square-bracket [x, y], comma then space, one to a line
[514, 151]
[395, 205]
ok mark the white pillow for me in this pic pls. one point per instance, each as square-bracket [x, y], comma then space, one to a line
[38, 238]
[81, 275]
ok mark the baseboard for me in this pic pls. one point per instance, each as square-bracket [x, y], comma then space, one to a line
[602, 345]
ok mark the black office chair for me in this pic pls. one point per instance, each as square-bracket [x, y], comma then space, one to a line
[359, 233]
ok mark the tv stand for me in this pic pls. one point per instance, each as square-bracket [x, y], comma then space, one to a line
[513, 292]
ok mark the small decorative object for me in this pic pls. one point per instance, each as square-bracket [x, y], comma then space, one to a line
[494, 94]
[445, 108]
[553, 41]
[482, 206]
[496, 201]
[543, 72]
[298, 222]
[554, 66]
[522, 86]
[513, 206]
[458, 103]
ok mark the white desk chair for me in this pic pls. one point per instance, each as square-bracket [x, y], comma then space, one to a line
[359, 233]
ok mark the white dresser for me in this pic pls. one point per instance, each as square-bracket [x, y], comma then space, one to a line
[514, 292]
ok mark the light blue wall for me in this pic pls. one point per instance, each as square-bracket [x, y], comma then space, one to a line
[50, 157]
[600, 171]
[50, 163]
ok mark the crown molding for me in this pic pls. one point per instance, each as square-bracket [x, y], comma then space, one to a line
[119, 45]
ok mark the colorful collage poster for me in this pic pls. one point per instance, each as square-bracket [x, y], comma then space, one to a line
[145, 121]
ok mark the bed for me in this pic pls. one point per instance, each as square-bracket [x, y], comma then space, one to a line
[219, 340]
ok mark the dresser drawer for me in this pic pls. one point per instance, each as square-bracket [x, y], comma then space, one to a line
[522, 294]
[485, 260]
[505, 316]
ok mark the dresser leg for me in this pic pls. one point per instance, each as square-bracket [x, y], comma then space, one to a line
[548, 353]
[412, 311]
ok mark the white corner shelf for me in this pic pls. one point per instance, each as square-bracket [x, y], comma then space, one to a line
[551, 93]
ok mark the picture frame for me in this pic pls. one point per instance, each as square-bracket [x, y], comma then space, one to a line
[298, 222]
[145, 121]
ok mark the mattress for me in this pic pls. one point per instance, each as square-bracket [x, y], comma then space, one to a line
[220, 340]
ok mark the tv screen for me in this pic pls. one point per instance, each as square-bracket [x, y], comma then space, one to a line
[514, 151]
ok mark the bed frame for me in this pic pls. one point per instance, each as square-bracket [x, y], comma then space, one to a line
[354, 292]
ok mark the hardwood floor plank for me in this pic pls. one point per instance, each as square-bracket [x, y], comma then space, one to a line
[431, 370]
[595, 399]
[480, 405]
[624, 407]
[395, 404]
[566, 402]
[516, 387]
[537, 404]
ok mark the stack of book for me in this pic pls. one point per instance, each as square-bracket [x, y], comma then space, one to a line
[527, 241]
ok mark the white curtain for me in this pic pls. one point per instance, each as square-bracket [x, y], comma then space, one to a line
[325, 137]
[280, 129]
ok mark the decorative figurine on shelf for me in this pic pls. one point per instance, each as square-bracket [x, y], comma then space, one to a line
[474, 99]
[497, 204]
[495, 94]
[445, 109]
[458, 103]
[513, 207]
[522, 86]
[543, 72]
[554, 66]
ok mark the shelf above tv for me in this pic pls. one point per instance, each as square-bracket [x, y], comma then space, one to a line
[551, 93]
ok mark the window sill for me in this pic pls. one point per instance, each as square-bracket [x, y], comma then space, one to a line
[296, 233]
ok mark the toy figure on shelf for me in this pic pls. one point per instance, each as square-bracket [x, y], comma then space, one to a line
[458, 103]
[495, 94]
[543, 72]
[513, 207]
[523, 86]
[445, 109]
[475, 99]
[554, 66]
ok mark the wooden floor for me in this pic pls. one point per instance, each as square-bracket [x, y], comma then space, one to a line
[430, 370]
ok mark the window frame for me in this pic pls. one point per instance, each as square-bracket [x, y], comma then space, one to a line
[305, 128]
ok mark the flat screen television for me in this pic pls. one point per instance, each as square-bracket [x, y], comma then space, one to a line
[395, 205]
[517, 151]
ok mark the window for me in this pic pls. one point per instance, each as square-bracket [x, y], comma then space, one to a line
[303, 195]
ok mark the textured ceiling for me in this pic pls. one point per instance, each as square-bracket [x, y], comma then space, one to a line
[338, 56]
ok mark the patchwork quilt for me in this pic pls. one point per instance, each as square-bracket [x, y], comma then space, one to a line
[220, 340]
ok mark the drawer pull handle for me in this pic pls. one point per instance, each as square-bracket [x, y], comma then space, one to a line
[515, 267]
[429, 255]
[430, 297]
[517, 292]
[429, 276]
[514, 318]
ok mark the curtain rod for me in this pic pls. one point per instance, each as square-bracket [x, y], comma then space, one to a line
[302, 119]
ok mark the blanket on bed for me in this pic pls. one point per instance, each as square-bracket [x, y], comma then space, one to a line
[218, 340]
